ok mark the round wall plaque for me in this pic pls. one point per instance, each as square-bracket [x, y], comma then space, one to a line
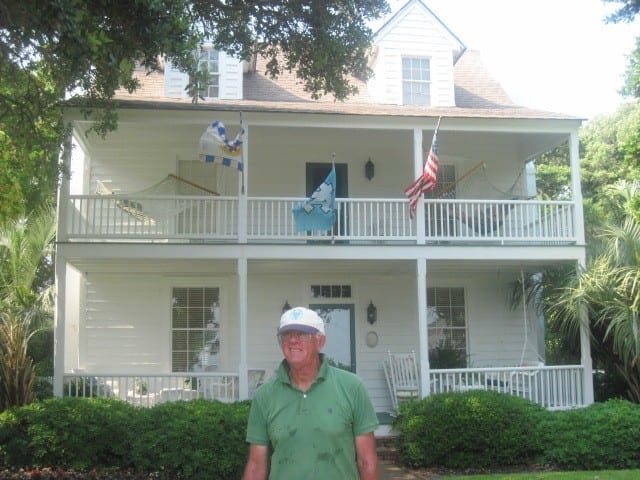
[372, 339]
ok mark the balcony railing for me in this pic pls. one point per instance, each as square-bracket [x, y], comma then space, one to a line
[146, 390]
[175, 218]
[553, 387]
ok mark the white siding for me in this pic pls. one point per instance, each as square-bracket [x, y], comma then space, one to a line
[496, 332]
[396, 326]
[417, 34]
[126, 327]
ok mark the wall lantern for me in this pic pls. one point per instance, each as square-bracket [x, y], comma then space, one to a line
[286, 306]
[372, 313]
[369, 169]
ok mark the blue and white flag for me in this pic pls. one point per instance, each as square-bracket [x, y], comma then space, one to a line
[319, 211]
[216, 148]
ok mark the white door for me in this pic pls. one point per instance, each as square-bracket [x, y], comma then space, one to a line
[339, 327]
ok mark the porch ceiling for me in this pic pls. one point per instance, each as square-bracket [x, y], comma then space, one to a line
[313, 267]
[157, 136]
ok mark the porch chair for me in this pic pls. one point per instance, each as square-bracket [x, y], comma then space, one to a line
[386, 367]
[403, 377]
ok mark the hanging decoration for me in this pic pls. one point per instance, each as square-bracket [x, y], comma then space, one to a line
[216, 148]
[318, 212]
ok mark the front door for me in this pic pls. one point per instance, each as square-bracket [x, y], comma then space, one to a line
[339, 327]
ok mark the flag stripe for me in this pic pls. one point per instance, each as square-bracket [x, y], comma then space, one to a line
[427, 180]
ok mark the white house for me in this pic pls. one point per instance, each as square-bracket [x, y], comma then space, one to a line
[172, 272]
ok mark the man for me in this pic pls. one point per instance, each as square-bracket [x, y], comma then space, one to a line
[312, 420]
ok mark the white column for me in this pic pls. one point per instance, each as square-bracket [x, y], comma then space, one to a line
[418, 166]
[423, 340]
[59, 328]
[243, 188]
[242, 315]
[59, 325]
[585, 350]
[574, 161]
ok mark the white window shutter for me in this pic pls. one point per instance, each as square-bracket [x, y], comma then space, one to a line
[230, 77]
[175, 82]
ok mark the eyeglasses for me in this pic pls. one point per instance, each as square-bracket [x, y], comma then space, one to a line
[294, 335]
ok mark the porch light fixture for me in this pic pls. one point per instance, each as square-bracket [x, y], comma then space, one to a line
[286, 306]
[369, 169]
[372, 313]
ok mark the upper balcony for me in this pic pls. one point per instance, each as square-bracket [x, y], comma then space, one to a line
[269, 219]
[485, 192]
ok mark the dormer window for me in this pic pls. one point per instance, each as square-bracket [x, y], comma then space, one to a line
[209, 62]
[416, 81]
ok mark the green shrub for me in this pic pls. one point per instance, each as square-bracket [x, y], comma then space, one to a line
[195, 440]
[199, 439]
[469, 430]
[601, 436]
[69, 432]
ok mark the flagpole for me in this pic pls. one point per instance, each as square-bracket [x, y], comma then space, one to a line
[438, 125]
[244, 162]
[434, 134]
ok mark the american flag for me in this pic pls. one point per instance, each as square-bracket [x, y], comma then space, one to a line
[426, 181]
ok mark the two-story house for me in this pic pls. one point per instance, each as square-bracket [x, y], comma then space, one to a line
[172, 272]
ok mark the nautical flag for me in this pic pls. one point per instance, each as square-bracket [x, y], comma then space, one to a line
[318, 212]
[216, 148]
[426, 181]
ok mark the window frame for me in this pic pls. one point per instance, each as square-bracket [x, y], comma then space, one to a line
[447, 328]
[411, 96]
[205, 58]
[212, 332]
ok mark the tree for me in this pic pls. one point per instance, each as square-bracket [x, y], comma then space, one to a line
[92, 47]
[610, 171]
[626, 13]
[609, 289]
[610, 148]
[54, 52]
[30, 132]
[25, 303]
[553, 174]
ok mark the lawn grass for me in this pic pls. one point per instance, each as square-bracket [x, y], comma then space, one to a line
[592, 475]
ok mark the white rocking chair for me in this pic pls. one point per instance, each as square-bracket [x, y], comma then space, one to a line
[401, 372]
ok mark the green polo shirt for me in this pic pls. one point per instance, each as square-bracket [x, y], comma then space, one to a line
[311, 434]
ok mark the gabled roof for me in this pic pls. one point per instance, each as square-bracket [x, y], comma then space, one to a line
[397, 17]
[477, 95]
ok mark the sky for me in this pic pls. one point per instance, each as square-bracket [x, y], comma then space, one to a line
[555, 55]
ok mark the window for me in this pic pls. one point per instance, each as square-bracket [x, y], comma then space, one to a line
[195, 329]
[416, 81]
[331, 291]
[445, 183]
[209, 66]
[447, 327]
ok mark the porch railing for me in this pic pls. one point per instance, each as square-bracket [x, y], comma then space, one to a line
[149, 218]
[553, 387]
[146, 390]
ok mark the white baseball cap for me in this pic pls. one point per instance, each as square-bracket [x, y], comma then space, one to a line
[302, 320]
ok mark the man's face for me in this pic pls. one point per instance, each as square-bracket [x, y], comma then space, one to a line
[299, 348]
